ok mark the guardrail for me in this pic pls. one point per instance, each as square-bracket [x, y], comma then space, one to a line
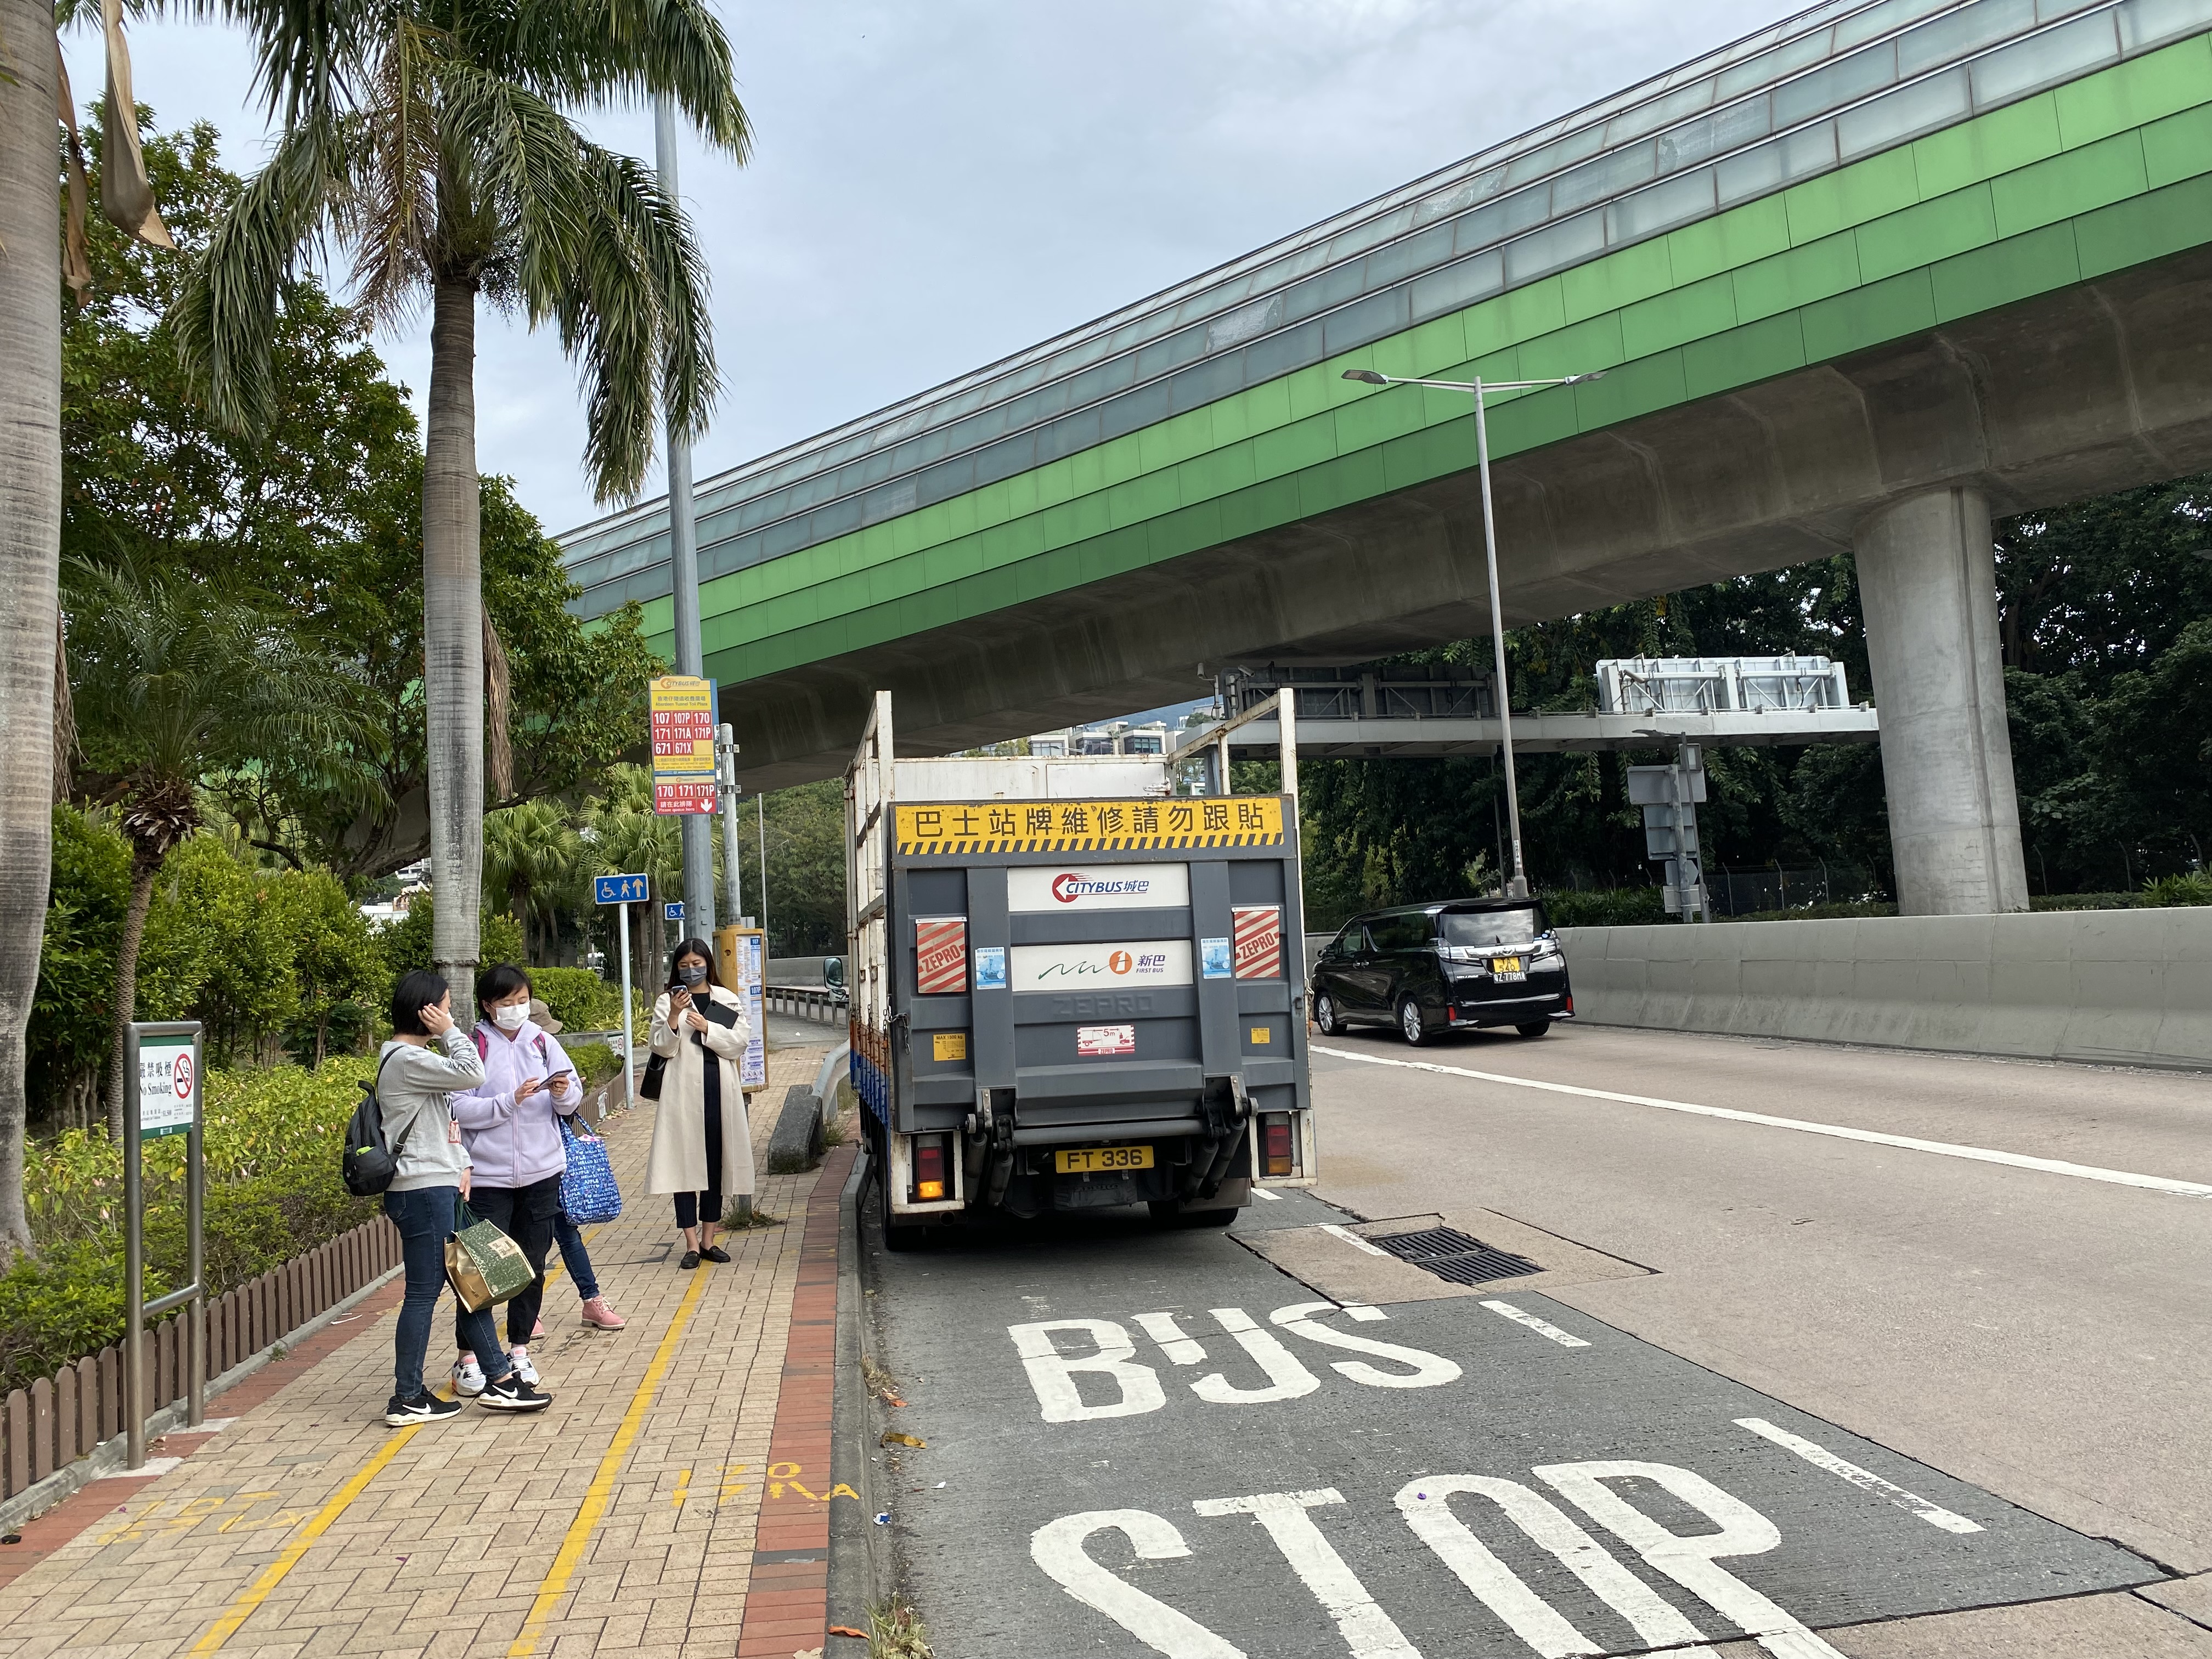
[819, 1003]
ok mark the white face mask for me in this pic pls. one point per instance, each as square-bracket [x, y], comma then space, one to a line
[509, 1016]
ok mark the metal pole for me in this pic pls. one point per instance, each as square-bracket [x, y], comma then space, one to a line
[726, 781]
[1516, 885]
[194, 1209]
[629, 1041]
[760, 812]
[134, 1268]
[684, 569]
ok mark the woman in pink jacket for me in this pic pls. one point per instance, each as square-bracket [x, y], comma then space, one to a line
[509, 1123]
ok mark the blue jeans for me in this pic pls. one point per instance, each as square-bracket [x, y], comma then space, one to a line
[578, 1259]
[425, 1220]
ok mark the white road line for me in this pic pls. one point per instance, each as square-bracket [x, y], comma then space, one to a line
[1908, 1143]
[1541, 1327]
[1355, 1239]
[1272, 1198]
[1934, 1514]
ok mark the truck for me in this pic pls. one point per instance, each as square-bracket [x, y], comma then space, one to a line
[1072, 989]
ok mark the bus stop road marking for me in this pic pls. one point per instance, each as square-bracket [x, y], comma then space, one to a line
[1821, 1457]
[1840, 1132]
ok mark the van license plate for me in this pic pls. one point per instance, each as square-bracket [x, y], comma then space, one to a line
[1087, 1160]
[1504, 965]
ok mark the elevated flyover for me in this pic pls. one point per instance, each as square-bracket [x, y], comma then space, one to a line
[1858, 282]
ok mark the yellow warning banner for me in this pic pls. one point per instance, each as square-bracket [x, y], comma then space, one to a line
[1088, 826]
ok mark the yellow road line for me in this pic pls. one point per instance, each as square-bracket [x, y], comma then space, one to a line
[598, 1500]
[273, 1574]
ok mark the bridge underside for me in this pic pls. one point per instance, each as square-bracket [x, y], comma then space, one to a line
[2098, 386]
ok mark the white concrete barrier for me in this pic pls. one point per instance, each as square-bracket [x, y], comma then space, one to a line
[2124, 986]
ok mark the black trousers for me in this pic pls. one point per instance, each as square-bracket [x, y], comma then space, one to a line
[692, 1209]
[525, 1214]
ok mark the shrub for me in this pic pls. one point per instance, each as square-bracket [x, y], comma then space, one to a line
[2194, 888]
[1611, 907]
[595, 1062]
[579, 997]
[273, 1192]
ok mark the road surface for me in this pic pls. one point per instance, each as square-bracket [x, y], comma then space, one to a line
[1917, 1368]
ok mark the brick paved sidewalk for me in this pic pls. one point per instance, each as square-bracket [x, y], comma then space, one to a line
[604, 1524]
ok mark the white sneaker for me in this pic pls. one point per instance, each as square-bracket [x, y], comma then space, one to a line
[468, 1377]
[523, 1369]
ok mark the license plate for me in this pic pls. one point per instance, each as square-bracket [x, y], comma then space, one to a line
[1509, 979]
[1504, 965]
[1089, 1160]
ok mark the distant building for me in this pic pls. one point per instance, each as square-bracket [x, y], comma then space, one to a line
[387, 912]
[1117, 738]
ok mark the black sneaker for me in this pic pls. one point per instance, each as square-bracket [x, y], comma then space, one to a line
[691, 1260]
[714, 1253]
[512, 1394]
[424, 1408]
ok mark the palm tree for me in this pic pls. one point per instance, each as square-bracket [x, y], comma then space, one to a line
[431, 144]
[531, 856]
[176, 681]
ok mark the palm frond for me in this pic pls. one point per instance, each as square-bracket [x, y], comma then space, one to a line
[604, 52]
[224, 318]
[389, 212]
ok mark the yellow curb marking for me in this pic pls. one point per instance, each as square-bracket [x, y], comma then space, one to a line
[273, 1574]
[597, 1500]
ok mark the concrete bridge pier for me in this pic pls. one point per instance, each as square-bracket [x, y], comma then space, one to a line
[1928, 581]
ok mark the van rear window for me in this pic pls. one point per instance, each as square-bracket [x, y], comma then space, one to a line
[1484, 929]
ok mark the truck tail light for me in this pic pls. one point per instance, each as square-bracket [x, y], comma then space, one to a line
[1275, 1144]
[929, 1173]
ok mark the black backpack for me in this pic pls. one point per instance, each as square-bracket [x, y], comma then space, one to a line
[369, 1165]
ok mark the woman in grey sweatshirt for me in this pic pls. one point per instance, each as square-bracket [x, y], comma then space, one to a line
[427, 1059]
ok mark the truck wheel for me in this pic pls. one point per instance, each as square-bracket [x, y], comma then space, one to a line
[1411, 1026]
[1534, 1028]
[1325, 1015]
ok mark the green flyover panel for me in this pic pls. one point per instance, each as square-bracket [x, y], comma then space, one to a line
[2104, 173]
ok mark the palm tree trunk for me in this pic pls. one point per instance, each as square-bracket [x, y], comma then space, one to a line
[452, 635]
[30, 546]
[144, 867]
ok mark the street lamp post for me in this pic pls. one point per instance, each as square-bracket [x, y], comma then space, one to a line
[1516, 885]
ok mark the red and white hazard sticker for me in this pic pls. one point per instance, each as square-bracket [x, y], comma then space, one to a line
[1105, 1040]
[940, 945]
[1259, 940]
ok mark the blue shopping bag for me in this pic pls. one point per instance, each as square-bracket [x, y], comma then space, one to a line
[588, 1192]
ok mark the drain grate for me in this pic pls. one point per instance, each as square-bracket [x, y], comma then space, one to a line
[1452, 1254]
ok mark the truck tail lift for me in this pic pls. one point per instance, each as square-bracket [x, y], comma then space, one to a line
[1071, 989]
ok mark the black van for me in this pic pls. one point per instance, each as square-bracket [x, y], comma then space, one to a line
[1429, 968]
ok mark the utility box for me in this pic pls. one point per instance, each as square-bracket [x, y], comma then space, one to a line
[1071, 989]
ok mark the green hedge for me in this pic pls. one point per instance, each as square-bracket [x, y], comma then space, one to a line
[579, 997]
[273, 1192]
[1605, 907]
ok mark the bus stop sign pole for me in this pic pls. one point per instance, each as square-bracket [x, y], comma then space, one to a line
[162, 1058]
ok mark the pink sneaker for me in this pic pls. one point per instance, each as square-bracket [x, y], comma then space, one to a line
[596, 1312]
[536, 1330]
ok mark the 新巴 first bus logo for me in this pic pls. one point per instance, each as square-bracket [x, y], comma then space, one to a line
[1071, 885]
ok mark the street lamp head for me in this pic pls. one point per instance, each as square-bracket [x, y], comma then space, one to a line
[1577, 380]
[1368, 375]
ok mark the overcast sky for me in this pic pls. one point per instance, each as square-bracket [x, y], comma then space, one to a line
[937, 183]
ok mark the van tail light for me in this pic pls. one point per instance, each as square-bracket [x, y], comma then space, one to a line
[929, 1167]
[1570, 1005]
[1275, 1144]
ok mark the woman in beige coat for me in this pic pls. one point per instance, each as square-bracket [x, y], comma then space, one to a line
[703, 1146]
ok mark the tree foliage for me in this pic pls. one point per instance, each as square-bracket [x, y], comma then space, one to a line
[316, 514]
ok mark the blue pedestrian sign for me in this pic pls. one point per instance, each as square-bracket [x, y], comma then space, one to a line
[673, 910]
[619, 890]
